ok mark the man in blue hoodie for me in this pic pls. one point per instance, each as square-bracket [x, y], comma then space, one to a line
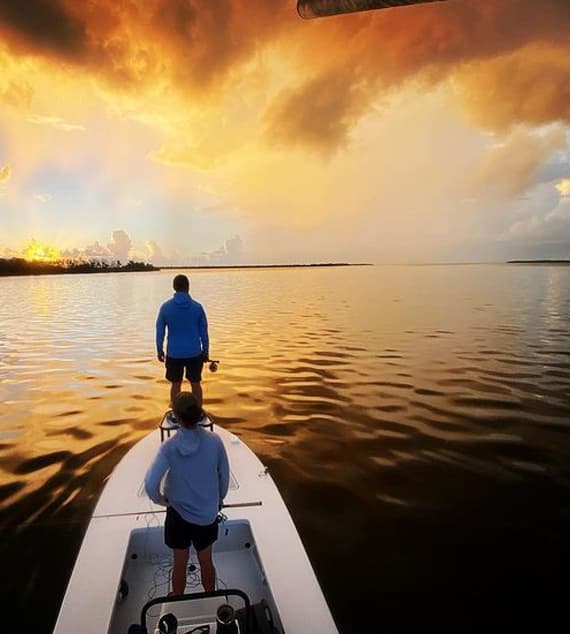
[188, 343]
[197, 478]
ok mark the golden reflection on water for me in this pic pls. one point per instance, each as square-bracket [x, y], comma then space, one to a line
[386, 388]
[42, 297]
[300, 350]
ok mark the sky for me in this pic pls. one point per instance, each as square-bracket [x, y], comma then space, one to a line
[189, 132]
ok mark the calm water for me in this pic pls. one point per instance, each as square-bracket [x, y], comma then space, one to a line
[416, 420]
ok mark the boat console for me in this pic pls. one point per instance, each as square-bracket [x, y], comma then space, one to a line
[225, 619]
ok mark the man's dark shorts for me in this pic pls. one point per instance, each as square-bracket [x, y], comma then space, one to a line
[178, 533]
[175, 369]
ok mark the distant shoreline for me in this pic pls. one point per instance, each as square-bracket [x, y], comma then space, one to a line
[538, 262]
[19, 267]
[263, 266]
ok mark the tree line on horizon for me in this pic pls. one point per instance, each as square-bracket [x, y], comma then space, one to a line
[21, 266]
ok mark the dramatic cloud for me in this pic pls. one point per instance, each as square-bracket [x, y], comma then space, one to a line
[531, 84]
[47, 24]
[154, 253]
[97, 250]
[511, 167]
[129, 46]
[511, 57]
[319, 114]
[120, 246]
[230, 253]
[389, 118]
[557, 167]
[552, 229]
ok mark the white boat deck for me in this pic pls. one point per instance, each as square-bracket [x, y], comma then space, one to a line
[147, 575]
[125, 523]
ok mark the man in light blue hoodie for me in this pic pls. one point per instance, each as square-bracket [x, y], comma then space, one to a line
[197, 471]
[188, 342]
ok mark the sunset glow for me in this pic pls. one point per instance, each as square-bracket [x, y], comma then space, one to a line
[36, 252]
[228, 132]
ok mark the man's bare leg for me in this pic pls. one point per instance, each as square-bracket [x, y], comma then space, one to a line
[174, 390]
[197, 392]
[207, 570]
[180, 556]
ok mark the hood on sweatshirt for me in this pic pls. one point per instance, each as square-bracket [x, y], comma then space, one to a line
[187, 441]
[182, 299]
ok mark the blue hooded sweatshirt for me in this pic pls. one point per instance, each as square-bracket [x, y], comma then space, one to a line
[187, 327]
[197, 475]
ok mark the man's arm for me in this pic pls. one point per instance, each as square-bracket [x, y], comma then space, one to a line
[204, 338]
[160, 332]
[223, 473]
[154, 476]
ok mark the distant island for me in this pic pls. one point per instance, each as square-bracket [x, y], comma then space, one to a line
[538, 262]
[20, 266]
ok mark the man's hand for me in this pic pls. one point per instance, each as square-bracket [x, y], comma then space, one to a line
[205, 357]
[160, 356]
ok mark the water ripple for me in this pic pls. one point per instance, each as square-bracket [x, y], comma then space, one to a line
[424, 409]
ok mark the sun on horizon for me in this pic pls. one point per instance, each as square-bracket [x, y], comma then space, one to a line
[38, 252]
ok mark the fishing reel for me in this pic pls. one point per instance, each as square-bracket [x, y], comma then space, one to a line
[168, 624]
[213, 365]
[226, 620]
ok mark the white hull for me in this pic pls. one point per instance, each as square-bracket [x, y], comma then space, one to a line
[258, 551]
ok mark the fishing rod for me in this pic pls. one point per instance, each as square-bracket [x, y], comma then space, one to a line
[224, 506]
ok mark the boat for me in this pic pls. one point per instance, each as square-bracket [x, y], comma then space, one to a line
[265, 583]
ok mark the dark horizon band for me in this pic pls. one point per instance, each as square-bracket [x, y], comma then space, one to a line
[309, 9]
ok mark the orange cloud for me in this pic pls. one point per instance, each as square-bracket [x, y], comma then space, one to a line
[193, 45]
[47, 25]
[320, 113]
[509, 168]
[531, 85]
[510, 58]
